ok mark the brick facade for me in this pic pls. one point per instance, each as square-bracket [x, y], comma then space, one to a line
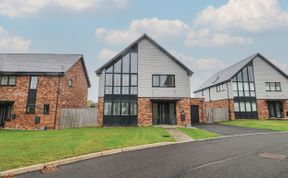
[144, 112]
[183, 105]
[262, 107]
[100, 114]
[200, 102]
[69, 97]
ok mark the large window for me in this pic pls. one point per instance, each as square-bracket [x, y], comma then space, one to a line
[244, 93]
[31, 102]
[6, 80]
[273, 86]
[121, 90]
[163, 80]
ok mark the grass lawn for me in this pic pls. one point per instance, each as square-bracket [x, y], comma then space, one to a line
[197, 134]
[24, 148]
[277, 125]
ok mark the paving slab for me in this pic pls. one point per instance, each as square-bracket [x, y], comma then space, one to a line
[178, 135]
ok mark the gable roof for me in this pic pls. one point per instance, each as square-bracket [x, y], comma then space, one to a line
[144, 36]
[229, 72]
[39, 64]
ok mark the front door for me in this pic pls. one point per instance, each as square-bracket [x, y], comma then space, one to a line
[195, 114]
[4, 114]
[164, 113]
[275, 109]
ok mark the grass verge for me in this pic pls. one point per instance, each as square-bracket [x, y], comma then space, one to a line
[197, 134]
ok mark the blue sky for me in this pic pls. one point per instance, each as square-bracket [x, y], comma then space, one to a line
[206, 35]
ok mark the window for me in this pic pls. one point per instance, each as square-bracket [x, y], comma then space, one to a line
[107, 108]
[273, 86]
[125, 109]
[70, 82]
[133, 108]
[30, 108]
[46, 109]
[163, 80]
[220, 87]
[33, 82]
[8, 80]
[32, 92]
[116, 108]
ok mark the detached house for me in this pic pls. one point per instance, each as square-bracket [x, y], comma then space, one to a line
[144, 85]
[252, 88]
[35, 87]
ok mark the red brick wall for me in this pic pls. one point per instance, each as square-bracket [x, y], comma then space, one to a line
[144, 112]
[285, 105]
[183, 105]
[223, 104]
[202, 109]
[262, 107]
[100, 111]
[74, 97]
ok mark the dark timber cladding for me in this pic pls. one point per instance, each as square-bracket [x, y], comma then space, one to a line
[121, 89]
[244, 93]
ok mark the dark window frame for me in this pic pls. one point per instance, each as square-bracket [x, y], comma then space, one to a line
[8, 80]
[275, 90]
[30, 92]
[159, 78]
[220, 87]
[46, 108]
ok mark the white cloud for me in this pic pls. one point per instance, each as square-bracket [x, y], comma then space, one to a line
[12, 43]
[250, 15]
[205, 38]
[106, 54]
[16, 8]
[158, 28]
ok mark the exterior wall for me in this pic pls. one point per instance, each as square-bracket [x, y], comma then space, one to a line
[262, 107]
[151, 60]
[263, 72]
[145, 111]
[69, 97]
[213, 95]
[202, 109]
[101, 84]
[285, 106]
[100, 111]
[223, 104]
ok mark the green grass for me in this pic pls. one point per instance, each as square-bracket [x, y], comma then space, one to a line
[24, 148]
[276, 125]
[197, 134]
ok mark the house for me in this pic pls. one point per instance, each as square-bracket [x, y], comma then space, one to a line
[251, 88]
[35, 87]
[144, 85]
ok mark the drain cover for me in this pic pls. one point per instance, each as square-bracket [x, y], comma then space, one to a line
[272, 156]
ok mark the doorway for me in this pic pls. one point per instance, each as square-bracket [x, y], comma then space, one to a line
[275, 109]
[164, 113]
[5, 113]
[195, 114]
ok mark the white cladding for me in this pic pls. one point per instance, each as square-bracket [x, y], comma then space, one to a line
[101, 81]
[151, 60]
[265, 73]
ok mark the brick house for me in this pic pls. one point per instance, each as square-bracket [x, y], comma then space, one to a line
[145, 85]
[35, 87]
[251, 88]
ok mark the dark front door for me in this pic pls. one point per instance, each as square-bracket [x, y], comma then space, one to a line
[164, 113]
[195, 114]
[5, 111]
[275, 109]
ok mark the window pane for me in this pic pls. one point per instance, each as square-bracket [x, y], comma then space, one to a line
[246, 86]
[134, 80]
[156, 81]
[239, 76]
[117, 90]
[134, 62]
[125, 80]
[4, 80]
[108, 90]
[155, 111]
[133, 108]
[125, 90]
[245, 74]
[252, 86]
[125, 109]
[236, 107]
[234, 79]
[117, 67]
[235, 86]
[109, 79]
[252, 93]
[117, 79]
[107, 108]
[235, 93]
[267, 86]
[272, 86]
[240, 86]
[34, 81]
[163, 80]
[250, 73]
[248, 107]
[116, 108]
[133, 90]
[241, 93]
[242, 106]
[170, 81]
[278, 86]
[126, 63]
[12, 80]
[254, 108]
[109, 70]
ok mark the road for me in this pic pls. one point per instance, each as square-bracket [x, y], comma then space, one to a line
[227, 157]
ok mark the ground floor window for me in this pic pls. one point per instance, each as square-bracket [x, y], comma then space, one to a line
[275, 109]
[245, 108]
[164, 113]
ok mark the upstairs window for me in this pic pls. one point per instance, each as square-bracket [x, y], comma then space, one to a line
[163, 80]
[220, 88]
[46, 109]
[273, 86]
[7, 80]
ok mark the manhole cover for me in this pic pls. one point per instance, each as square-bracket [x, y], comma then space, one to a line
[272, 156]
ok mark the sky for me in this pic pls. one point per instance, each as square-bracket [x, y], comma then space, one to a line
[206, 35]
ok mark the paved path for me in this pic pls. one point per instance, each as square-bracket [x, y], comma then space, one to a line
[178, 135]
[230, 130]
[226, 157]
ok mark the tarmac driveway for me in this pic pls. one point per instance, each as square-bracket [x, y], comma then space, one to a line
[230, 130]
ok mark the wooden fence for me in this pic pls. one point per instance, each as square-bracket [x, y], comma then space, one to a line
[217, 115]
[82, 117]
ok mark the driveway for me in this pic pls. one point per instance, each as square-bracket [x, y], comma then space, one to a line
[225, 157]
[230, 130]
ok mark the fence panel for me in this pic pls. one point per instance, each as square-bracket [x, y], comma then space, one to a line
[80, 117]
[217, 115]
